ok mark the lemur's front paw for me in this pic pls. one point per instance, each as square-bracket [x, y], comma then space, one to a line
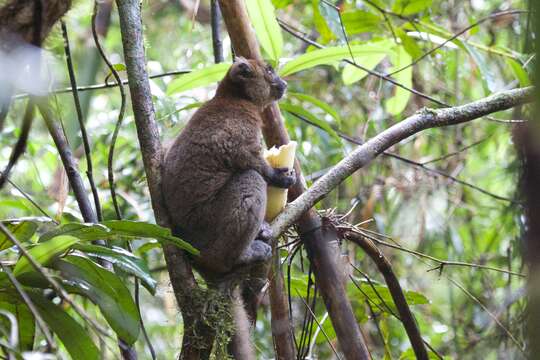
[283, 178]
[256, 252]
[265, 233]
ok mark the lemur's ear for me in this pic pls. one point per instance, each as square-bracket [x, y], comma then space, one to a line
[241, 69]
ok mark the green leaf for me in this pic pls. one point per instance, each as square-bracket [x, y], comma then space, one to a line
[519, 72]
[330, 55]
[409, 43]
[360, 21]
[118, 229]
[198, 78]
[22, 230]
[106, 290]
[144, 248]
[410, 7]
[320, 23]
[352, 74]
[332, 20]
[140, 229]
[13, 304]
[75, 338]
[119, 67]
[397, 103]
[380, 295]
[263, 18]
[278, 4]
[122, 259]
[295, 109]
[318, 103]
[43, 253]
[488, 76]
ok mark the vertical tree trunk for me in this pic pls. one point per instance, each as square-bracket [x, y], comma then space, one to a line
[321, 243]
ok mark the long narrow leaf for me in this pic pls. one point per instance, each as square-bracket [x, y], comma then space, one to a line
[44, 253]
[198, 78]
[330, 55]
[268, 32]
[295, 109]
[75, 338]
[124, 260]
[106, 290]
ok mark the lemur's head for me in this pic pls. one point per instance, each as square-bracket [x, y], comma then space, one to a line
[255, 81]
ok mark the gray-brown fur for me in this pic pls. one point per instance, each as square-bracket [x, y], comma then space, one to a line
[215, 176]
[215, 179]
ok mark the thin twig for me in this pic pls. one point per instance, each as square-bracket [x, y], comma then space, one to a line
[68, 161]
[319, 325]
[105, 85]
[32, 201]
[454, 153]
[441, 263]
[110, 159]
[84, 134]
[20, 145]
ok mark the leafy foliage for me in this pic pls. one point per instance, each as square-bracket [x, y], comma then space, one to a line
[413, 42]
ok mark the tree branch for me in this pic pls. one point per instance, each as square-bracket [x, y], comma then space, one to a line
[405, 314]
[180, 272]
[363, 155]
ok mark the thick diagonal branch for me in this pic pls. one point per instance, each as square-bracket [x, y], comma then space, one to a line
[364, 154]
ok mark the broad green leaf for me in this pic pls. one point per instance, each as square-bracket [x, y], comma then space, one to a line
[519, 72]
[330, 55]
[13, 304]
[22, 229]
[43, 253]
[118, 229]
[352, 74]
[320, 23]
[144, 248]
[294, 109]
[75, 338]
[332, 20]
[320, 104]
[106, 290]
[397, 103]
[360, 21]
[122, 259]
[140, 229]
[263, 18]
[299, 286]
[409, 43]
[198, 78]
[85, 232]
[410, 7]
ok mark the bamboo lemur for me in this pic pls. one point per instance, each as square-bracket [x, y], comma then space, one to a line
[215, 176]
